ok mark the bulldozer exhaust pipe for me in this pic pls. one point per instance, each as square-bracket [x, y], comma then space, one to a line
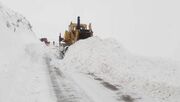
[78, 22]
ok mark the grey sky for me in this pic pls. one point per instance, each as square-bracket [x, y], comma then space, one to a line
[147, 27]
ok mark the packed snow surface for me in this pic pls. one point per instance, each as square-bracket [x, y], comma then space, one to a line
[138, 78]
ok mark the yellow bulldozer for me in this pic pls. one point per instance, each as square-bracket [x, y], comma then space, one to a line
[76, 32]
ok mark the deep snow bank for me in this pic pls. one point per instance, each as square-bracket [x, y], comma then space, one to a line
[23, 73]
[153, 79]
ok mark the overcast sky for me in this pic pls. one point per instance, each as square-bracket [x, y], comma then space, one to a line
[146, 27]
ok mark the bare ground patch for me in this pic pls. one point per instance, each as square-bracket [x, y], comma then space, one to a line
[128, 98]
[109, 86]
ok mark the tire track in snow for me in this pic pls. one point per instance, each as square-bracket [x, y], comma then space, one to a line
[64, 88]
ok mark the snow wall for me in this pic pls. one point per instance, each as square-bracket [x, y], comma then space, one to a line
[23, 72]
[154, 79]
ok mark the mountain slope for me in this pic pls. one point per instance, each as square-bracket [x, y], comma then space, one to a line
[23, 72]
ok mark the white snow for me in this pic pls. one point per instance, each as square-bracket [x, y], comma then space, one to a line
[23, 72]
[144, 79]
[93, 70]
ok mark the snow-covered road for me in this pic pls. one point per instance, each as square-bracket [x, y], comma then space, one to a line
[81, 87]
[64, 88]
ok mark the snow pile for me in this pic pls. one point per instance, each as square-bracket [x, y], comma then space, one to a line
[150, 79]
[23, 72]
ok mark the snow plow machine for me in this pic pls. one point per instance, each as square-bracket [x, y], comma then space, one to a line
[75, 32]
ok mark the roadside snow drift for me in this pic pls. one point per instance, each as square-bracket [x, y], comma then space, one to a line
[23, 74]
[138, 78]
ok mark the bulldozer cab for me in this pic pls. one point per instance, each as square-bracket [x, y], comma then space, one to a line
[76, 32]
